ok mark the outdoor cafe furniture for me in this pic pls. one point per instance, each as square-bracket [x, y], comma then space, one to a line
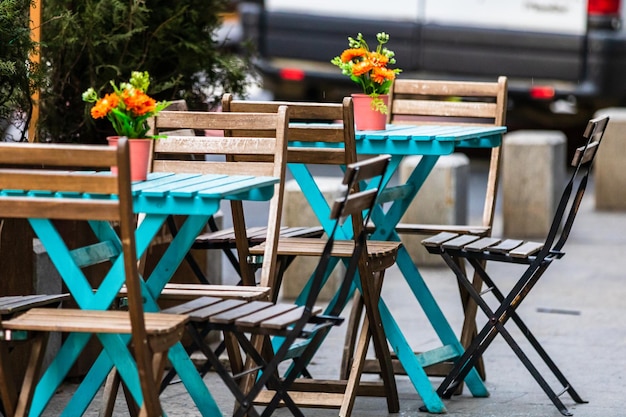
[194, 195]
[328, 140]
[287, 321]
[175, 146]
[536, 257]
[430, 141]
[35, 184]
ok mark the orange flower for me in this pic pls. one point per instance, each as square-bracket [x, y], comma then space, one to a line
[379, 60]
[104, 106]
[138, 102]
[380, 75]
[362, 67]
[349, 54]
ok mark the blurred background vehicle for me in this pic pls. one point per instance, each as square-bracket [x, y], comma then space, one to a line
[564, 58]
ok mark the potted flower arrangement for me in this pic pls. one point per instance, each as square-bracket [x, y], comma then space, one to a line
[128, 108]
[369, 69]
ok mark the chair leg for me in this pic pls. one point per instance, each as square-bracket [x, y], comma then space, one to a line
[33, 371]
[470, 308]
[351, 335]
[8, 393]
[495, 326]
[356, 369]
[111, 388]
[371, 295]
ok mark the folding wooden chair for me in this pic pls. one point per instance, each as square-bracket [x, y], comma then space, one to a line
[322, 134]
[442, 102]
[536, 256]
[289, 321]
[27, 168]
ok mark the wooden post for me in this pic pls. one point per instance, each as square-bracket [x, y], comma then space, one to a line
[35, 34]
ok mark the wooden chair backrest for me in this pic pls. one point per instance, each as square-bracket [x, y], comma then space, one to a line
[67, 170]
[454, 102]
[351, 204]
[260, 151]
[328, 124]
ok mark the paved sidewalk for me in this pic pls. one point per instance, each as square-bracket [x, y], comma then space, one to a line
[576, 311]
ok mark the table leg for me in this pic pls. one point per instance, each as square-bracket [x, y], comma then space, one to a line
[436, 317]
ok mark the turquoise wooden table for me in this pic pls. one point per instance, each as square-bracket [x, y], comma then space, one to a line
[192, 195]
[429, 141]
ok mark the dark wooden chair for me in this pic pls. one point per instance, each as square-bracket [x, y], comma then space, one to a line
[26, 168]
[292, 322]
[535, 256]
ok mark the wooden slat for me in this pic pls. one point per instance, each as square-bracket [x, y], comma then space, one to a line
[481, 244]
[284, 320]
[19, 179]
[306, 399]
[89, 321]
[505, 246]
[241, 311]
[459, 242]
[444, 108]
[14, 304]
[445, 88]
[266, 314]
[213, 120]
[206, 312]
[214, 167]
[439, 238]
[57, 154]
[526, 249]
[216, 145]
[56, 208]
[313, 247]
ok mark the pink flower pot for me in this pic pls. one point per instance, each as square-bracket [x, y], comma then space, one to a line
[140, 150]
[366, 118]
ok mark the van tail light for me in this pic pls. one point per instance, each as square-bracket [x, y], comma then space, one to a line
[292, 74]
[542, 92]
[603, 7]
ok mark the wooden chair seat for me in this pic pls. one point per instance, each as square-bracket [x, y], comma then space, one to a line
[382, 254]
[225, 238]
[163, 329]
[512, 250]
[10, 305]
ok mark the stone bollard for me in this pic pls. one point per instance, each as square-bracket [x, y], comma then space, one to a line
[443, 199]
[609, 173]
[533, 175]
[297, 212]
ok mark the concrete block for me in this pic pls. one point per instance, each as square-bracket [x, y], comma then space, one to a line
[297, 212]
[533, 175]
[443, 199]
[609, 173]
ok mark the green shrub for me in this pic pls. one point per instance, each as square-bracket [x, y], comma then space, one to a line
[87, 43]
[18, 76]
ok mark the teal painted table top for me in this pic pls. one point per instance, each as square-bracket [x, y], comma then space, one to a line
[193, 195]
